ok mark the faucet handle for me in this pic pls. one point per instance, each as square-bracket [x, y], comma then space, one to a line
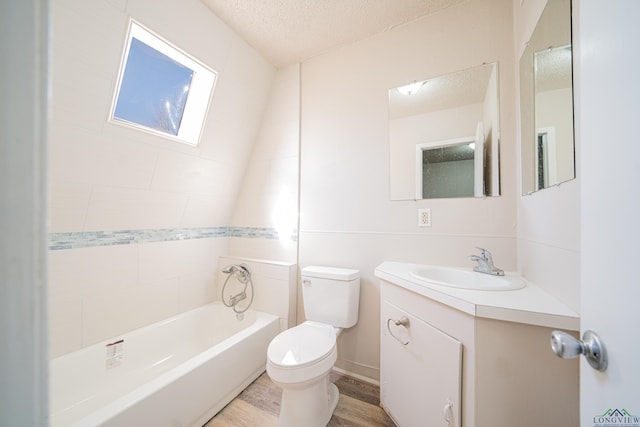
[485, 263]
[485, 254]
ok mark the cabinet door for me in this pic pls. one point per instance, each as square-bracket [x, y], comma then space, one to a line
[420, 371]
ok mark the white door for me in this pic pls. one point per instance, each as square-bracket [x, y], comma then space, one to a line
[607, 42]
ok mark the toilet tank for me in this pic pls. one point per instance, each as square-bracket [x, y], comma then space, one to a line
[331, 295]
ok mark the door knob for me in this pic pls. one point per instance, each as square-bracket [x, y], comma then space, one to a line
[568, 347]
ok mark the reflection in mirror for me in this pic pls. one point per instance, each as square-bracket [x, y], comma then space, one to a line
[546, 97]
[450, 168]
[444, 136]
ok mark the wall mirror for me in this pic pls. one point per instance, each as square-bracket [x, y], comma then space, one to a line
[444, 136]
[546, 101]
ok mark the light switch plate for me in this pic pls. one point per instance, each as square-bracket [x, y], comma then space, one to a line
[424, 217]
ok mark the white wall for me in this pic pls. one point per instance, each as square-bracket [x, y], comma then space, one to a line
[106, 177]
[346, 217]
[268, 196]
[549, 220]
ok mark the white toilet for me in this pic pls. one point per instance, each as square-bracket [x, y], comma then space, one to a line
[299, 360]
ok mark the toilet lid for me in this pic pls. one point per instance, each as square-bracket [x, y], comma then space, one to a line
[304, 344]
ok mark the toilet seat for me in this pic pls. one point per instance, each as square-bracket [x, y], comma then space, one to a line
[302, 352]
[302, 345]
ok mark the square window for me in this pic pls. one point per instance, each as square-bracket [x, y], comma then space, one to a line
[154, 89]
[161, 89]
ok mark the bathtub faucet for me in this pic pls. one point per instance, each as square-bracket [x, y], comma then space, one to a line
[242, 274]
[485, 263]
[237, 298]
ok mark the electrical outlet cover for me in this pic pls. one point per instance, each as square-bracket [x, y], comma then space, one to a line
[424, 217]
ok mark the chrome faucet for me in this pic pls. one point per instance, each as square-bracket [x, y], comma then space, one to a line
[234, 300]
[485, 263]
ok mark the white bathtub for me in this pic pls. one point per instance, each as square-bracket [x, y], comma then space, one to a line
[178, 372]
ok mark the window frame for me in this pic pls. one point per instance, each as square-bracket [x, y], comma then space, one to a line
[200, 91]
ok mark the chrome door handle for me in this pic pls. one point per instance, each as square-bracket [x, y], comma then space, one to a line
[404, 321]
[568, 347]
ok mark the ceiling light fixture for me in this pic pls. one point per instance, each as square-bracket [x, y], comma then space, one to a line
[411, 88]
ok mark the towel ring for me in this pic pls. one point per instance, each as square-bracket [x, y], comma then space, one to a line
[404, 321]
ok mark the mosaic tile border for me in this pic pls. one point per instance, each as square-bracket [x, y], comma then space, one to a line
[87, 239]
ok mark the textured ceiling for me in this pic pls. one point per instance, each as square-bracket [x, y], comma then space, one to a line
[288, 31]
[553, 69]
[464, 87]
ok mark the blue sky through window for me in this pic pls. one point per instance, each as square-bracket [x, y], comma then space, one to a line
[154, 89]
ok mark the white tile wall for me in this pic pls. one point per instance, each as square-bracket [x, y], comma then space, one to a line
[109, 177]
[99, 292]
[65, 323]
[68, 206]
[117, 208]
[92, 270]
[204, 211]
[269, 192]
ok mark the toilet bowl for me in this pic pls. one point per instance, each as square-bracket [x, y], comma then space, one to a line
[300, 359]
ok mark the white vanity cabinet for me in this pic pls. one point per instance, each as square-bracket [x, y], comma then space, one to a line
[424, 360]
[463, 368]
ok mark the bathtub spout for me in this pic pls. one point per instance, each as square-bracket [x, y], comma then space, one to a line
[234, 300]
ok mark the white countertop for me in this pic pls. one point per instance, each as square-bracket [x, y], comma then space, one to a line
[531, 304]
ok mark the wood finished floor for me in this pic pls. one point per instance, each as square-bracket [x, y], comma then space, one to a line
[259, 405]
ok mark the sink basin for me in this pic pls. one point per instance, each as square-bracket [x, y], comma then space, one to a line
[467, 279]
